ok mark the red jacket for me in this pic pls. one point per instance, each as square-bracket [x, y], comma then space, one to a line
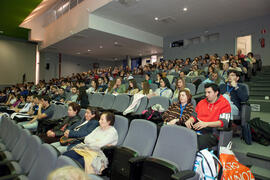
[217, 111]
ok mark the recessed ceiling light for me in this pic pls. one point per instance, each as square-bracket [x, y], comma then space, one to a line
[115, 59]
[140, 54]
[115, 42]
[100, 47]
[185, 9]
[89, 50]
[78, 53]
[156, 18]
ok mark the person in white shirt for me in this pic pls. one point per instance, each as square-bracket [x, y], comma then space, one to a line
[164, 89]
[104, 135]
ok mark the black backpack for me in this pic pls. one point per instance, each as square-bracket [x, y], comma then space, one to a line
[260, 131]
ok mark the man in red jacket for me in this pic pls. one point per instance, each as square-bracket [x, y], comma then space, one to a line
[211, 112]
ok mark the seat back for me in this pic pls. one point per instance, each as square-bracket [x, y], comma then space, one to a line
[200, 89]
[178, 145]
[13, 137]
[96, 100]
[153, 86]
[141, 136]
[163, 101]
[66, 161]
[121, 102]
[192, 88]
[82, 113]
[3, 126]
[21, 144]
[44, 164]
[142, 106]
[107, 101]
[30, 154]
[121, 126]
[90, 98]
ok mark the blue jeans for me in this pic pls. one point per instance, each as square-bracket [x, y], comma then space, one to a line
[72, 154]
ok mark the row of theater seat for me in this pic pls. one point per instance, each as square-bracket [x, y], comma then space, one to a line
[35, 160]
[23, 156]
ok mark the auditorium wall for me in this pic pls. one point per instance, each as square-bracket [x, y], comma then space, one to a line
[17, 57]
[226, 41]
[70, 64]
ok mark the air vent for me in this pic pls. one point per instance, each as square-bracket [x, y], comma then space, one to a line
[167, 20]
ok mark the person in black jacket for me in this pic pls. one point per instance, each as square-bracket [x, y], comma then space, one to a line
[54, 134]
[234, 92]
[80, 129]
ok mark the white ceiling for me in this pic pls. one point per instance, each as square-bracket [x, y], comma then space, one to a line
[140, 14]
[201, 14]
[90, 39]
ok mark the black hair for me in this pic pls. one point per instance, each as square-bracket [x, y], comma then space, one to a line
[237, 73]
[214, 86]
[167, 82]
[46, 98]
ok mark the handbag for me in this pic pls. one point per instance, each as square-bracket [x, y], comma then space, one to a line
[64, 141]
[232, 168]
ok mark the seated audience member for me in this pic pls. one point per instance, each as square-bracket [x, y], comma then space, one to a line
[93, 88]
[118, 87]
[250, 58]
[87, 153]
[159, 76]
[3, 97]
[57, 131]
[179, 112]
[210, 113]
[234, 92]
[240, 54]
[164, 89]
[132, 87]
[224, 72]
[27, 106]
[145, 88]
[194, 72]
[68, 173]
[74, 95]
[61, 96]
[83, 96]
[147, 78]
[110, 86]
[128, 76]
[101, 85]
[180, 85]
[214, 78]
[34, 109]
[45, 112]
[235, 67]
[79, 129]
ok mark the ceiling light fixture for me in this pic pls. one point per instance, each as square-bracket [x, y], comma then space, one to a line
[78, 53]
[100, 47]
[156, 18]
[89, 50]
[185, 9]
[115, 42]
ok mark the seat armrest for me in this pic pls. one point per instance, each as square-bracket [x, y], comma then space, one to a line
[162, 163]
[245, 103]
[183, 175]
[137, 159]
[224, 129]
